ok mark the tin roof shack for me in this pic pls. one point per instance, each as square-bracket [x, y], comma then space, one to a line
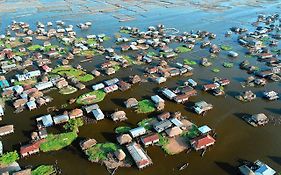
[124, 139]
[31, 148]
[202, 107]
[141, 159]
[90, 108]
[31, 105]
[256, 168]
[88, 143]
[212, 86]
[44, 85]
[135, 79]
[131, 102]
[168, 93]
[60, 119]
[98, 86]
[111, 81]
[23, 172]
[7, 129]
[156, 99]
[202, 142]
[150, 139]
[110, 88]
[190, 82]
[44, 121]
[98, 114]
[123, 86]
[204, 130]
[257, 119]
[136, 132]
[162, 125]
[75, 113]
[119, 116]
[164, 116]
[246, 96]
[271, 95]
[182, 98]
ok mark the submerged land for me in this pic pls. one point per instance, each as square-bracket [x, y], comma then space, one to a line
[166, 87]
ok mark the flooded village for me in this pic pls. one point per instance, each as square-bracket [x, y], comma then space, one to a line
[140, 87]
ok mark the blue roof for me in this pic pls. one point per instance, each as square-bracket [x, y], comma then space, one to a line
[204, 129]
[265, 170]
[4, 83]
[47, 120]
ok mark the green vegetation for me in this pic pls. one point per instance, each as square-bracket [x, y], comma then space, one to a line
[34, 47]
[145, 106]
[163, 142]
[73, 124]
[146, 123]
[26, 82]
[67, 90]
[91, 41]
[183, 49]
[9, 158]
[116, 67]
[106, 38]
[87, 53]
[216, 70]
[189, 62]
[151, 54]
[226, 47]
[58, 141]
[70, 71]
[129, 59]
[44, 170]
[91, 97]
[124, 31]
[228, 64]
[122, 129]
[21, 54]
[8, 46]
[191, 133]
[99, 151]
[48, 48]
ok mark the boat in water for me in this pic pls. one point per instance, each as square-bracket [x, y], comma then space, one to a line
[183, 166]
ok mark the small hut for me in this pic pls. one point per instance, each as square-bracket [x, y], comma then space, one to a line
[174, 131]
[131, 102]
[120, 154]
[135, 79]
[118, 116]
[86, 144]
[124, 138]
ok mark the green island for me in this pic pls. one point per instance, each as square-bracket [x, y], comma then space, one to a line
[228, 64]
[122, 129]
[145, 106]
[70, 71]
[91, 97]
[34, 47]
[9, 157]
[99, 151]
[183, 49]
[189, 62]
[56, 142]
[44, 170]
[73, 124]
[216, 70]
[226, 47]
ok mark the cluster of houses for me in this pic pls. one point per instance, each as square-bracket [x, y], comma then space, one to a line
[215, 87]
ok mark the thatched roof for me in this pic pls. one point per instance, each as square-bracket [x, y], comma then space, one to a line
[131, 102]
[119, 115]
[119, 154]
[86, 144]
[124, 138]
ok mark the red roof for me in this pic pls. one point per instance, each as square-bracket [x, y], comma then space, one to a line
[202, 142]
[31, 147]
[150, 138]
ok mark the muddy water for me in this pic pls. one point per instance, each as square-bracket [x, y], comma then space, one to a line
[236, 140]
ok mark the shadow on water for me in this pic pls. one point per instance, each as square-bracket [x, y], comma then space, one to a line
[273, 110]
[241, 115]
[110, 137]
[275, 159]
[118, 101]
[227, 167]
[232, 93]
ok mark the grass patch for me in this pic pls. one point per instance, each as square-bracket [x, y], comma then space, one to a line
[99, 151]
[87, 53]
[34, 47]
[189, 62]
[216, 70]
[146, 123]
[58, 141]
[73, 124]
[228, 64]
[122, 129]
[70, 71]
[183, 49]
[44, 170]
[67, 90]
[21, 54]
[124, 31]
[163, 142]
[116, 67]
[48, 48]
[26, 82]
[91, 97]
[91, 41]
[129, 59]
[151, 54]
[226, 47]
[106, 38]
[145, 106]
[9, 158]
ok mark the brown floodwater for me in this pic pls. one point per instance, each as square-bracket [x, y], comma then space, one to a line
[235, 139]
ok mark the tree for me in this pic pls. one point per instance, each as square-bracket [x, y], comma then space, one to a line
[73, 124]
[9, 158]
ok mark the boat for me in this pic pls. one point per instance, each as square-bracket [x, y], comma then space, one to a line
[183, 166]
[1, 148]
